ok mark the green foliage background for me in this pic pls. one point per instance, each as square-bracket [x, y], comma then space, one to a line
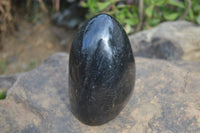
[151, 13]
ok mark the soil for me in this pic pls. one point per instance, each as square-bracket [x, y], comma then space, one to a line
[27, 47]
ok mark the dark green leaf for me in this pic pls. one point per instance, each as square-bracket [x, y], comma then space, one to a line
[171, 16]
[158, 2]
[176, 3]
[134, 10]
[149, 11]
[191, 14]
[154, 22]
[131, 22]
[84, 4]
[198, 19]
[148, 2]
[196, 8]
[103, 5]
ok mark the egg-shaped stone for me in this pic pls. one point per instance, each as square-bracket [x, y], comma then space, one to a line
[101, 71]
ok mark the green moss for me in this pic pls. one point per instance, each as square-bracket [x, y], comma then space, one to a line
[3, 94]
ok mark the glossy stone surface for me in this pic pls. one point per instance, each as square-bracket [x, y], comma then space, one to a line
[101, 71]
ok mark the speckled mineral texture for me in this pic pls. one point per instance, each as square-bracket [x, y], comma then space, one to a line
[101, 71]
[166, 99]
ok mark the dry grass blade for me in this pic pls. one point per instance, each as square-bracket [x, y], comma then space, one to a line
[56, 4]
[186, 11]
[5, 18]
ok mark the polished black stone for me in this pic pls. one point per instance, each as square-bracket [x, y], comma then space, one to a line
[101, 71]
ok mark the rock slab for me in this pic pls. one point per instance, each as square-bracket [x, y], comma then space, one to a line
[166, 99]
[178, 40]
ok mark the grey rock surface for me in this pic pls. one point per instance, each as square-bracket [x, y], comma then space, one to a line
[7, 81]
[166, 99]
[169, 40]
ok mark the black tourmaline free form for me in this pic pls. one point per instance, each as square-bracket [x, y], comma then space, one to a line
[101, 71]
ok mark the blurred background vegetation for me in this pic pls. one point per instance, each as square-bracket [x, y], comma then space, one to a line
[134, 15]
